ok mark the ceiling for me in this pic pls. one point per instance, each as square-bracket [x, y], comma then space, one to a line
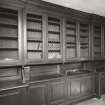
[90, 6]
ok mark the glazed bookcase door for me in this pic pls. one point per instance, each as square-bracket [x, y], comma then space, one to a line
[34, 37]
[71, 43]
[97, 40]
[104, 40]
[54, 38]
[84, 40]
[10, 36]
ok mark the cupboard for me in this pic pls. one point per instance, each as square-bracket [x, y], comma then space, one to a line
[46, 35]
[80, 86]
[62, 90]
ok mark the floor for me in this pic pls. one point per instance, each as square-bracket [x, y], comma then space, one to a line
[93, 101]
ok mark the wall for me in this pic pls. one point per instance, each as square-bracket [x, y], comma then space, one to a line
[91, 6]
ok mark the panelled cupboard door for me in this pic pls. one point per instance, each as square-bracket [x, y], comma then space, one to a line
[75, 87]
[37, 94]
[10, 36]
[57, 92]
[11, 97]
[80, 86]
[103, 84]
[87, 85]
[34, 37]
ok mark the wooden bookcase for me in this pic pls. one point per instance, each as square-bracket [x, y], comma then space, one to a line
[32, 35]
[71, 40]
[84, 40]
[10, 36]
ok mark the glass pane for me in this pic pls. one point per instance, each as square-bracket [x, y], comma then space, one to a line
[70, 39]
[54, 44]
[8, 34]
[97, 40]
[84, 40]
[34, 37]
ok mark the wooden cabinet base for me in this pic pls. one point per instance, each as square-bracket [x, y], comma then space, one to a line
[100, 85]
[13, 97]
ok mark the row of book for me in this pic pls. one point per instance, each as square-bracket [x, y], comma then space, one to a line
[9, 21]
[84, 28]
[84, 40]
[84, 34]
[54, 37]
[35, 55]
[71, 32]
[54, 55]
[34, 25]
[54, 28]
[71, 45]
[71, 25]
[84, 47]
[53, 46]
[8, 54]
[70, 39]
[34, 35]
[8, 32]
[5, 43]
[34, 46]
[70, 53]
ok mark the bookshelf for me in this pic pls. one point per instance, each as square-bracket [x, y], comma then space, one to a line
[84, 40]
[54, 38]
[97, 40]
[34, 36]
[8, 34]
[71, 40]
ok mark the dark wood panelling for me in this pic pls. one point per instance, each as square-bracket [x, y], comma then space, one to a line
[43, 70]
[87, 85]
[79, 87]
[57, 91]
[37, 94]
[13, 97]
[103, 83]
[100, 85]
[71, 66]
[75, 87]
[10, 77]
